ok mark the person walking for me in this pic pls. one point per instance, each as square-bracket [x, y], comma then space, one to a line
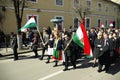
[57, 53]
[68, 53]
[97, 46]
[45, 44]
[35, 44]
[104, 55]
[50, 47]
[92, 37]
[14, 46]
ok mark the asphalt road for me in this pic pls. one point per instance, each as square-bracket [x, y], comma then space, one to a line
[29, 68]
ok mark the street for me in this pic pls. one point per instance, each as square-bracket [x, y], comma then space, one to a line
[29, 68]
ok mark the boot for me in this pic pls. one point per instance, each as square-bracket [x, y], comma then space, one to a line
[66, 68]
[47, 61]
[56, 64]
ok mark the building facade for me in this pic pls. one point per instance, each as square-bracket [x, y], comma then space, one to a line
[96, 12]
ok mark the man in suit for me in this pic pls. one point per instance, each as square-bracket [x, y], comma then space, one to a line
[92, 37]
[68, 53]
[104, 55]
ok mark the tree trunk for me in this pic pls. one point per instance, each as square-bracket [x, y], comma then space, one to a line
[19, 15]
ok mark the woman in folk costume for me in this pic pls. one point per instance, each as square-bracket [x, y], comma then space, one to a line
[57, 53]
[50, 47]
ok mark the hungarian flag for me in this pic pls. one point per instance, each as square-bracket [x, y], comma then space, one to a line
[30, 24]
[80, 38]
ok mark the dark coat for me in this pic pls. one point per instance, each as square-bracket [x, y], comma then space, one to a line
[51, 43]
[14, 44]
[114, 48]
[67, 51]
[104, 56]
[35, 43]
[92, 37]
[59, 45]
[97, 47]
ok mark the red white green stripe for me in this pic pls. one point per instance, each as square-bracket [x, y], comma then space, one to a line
[81, 39]
[30, 24]
[57, 54]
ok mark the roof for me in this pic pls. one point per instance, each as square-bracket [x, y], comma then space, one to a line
[116, 1]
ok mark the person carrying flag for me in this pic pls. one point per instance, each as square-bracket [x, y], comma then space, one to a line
[81, 39]
[68, 52]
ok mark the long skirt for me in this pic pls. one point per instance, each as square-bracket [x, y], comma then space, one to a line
[57, 54]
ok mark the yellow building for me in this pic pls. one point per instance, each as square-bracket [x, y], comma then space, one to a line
[96, 12]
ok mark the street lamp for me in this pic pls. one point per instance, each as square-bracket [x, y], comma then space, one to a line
[56, 22]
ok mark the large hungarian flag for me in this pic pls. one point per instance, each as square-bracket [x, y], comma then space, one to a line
[80, 38]
[30, 24]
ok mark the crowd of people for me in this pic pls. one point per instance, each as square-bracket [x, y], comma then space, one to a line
[105, 44]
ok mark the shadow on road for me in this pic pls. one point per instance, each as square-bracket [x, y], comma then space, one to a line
[85, 63]
[115, 67]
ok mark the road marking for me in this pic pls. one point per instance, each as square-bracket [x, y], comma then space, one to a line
[51, 75]
[56, 73]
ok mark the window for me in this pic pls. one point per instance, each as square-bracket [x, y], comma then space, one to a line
[99, 6]
[106, 23]
[115, 9]
[76, 22]
[59, 2]
[88, 4]
[99, 21]
[36, 19]
[106, 9]
[87, 23]
[60, 25]
[33, 0]
[75, 3]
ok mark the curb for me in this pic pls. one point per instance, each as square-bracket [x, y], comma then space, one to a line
[21, 52]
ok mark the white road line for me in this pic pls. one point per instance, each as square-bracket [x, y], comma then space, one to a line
[51, 75]
[56, 73]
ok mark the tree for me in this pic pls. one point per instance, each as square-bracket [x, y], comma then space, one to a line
[81, 9]
[2, 12]
[19, 6]
[1, 20]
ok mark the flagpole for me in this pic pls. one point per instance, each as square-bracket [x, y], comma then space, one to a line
[40, 34]
[68, 43]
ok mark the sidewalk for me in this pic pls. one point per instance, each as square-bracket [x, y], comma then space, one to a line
[8, 51]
